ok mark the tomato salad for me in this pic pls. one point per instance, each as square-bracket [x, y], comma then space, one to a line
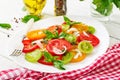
[57, 45]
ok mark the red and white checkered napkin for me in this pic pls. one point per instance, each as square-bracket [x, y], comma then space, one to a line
[106, 67]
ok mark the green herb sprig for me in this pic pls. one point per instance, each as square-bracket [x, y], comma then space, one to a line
[5, 25]
[26, 18]
[57, 63]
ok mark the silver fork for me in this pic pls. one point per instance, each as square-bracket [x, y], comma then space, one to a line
[19, 37]
[17, 51]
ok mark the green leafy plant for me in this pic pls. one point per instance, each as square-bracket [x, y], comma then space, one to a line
[105, 7]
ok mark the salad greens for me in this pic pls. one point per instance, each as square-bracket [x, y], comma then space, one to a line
[51, 35]
[5, 25]
[69, 22]
[69, 37]
[57, 63]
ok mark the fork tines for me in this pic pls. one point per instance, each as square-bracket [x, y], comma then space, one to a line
[16, 52]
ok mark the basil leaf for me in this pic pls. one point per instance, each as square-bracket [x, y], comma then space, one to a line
[26, 18]
[5, 25]
[67, 20]
[62, 35]
[48, 56]
[72, 23]
[59, 64]
[69, 37]
[50, 35]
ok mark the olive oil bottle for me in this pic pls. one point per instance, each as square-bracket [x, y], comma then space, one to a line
[34, 7]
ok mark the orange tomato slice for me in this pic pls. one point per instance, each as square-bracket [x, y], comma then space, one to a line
[79, 58]
[81, 27]
[55, 28]
[35, 35]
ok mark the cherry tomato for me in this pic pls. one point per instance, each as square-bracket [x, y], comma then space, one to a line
[28, 46]
[59, 44]
[90, 37]
[55, 28]
[36, 34]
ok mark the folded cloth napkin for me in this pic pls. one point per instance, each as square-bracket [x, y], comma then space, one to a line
[106, 67]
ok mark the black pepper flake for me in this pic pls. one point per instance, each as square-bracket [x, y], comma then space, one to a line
[12, 29]
[17, 20]
[8, 35]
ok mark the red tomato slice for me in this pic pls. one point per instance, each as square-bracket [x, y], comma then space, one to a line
[59, 44]
[26, 41]
[28, 46]
[55, 28]
[42, 61]
[90, 37]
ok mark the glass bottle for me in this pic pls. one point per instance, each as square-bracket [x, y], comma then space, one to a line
[34, 7]
[60, 7]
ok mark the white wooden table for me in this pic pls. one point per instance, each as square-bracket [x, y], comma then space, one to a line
[13, 8]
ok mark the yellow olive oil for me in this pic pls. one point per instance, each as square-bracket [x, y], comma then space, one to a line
[34, 7]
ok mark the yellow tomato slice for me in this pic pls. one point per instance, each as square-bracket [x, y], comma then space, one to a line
[79, 58]
[81, 27]
[36, 34]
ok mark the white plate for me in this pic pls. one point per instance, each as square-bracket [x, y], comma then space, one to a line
[101, 33]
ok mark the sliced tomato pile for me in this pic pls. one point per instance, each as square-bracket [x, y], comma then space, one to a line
[58, 45]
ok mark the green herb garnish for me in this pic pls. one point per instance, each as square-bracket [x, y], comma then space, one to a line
[69, 22]
[57, 63]
[69, 37]
[48, 56]
[26, 18]
[50, 35]
[5, 25]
